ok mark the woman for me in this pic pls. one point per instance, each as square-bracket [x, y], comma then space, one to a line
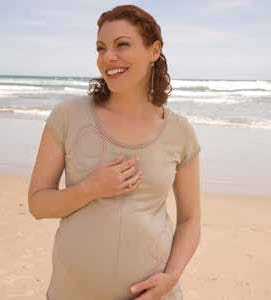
[122, 150]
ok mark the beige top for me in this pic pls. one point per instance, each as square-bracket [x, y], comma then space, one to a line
[103, 248]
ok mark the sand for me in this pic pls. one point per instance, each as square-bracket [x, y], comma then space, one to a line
[232, 261]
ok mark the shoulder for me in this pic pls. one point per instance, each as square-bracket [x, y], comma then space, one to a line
[71, 106]
[73, 102]
[69, 110]
[179, 122]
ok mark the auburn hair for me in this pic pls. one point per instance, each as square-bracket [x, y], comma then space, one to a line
[150, 32]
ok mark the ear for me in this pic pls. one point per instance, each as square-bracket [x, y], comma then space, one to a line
[156, 50]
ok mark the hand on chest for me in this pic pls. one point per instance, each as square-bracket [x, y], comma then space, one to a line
[89, 148]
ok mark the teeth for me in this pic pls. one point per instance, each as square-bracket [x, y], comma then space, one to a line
[115, 71]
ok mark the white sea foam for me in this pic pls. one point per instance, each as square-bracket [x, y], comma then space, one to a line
[223, 85]
[263, 124]
[210, 98]
[74, 91]
[31, 112]
[43, 82]
[213, 94]
[29, 90]
[20, 88]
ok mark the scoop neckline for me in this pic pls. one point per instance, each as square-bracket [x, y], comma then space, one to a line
[113, 140]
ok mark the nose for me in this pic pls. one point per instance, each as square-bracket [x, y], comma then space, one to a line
[110, 55]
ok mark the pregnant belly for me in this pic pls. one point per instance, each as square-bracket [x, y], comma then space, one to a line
[104, 249]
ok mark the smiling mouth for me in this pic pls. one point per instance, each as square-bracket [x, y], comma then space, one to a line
[115, 73]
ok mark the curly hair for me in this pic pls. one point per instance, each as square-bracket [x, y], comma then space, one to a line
[150, 31]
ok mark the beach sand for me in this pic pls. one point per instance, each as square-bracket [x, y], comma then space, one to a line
[232, 261]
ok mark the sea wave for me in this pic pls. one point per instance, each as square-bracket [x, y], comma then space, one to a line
[231, 122]
[241, 122]
[43, 81]
[222, 85]
[17, 90]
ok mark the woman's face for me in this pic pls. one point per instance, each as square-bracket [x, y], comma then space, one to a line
[121, 51]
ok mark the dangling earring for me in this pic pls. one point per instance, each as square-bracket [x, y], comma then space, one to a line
[152, 80]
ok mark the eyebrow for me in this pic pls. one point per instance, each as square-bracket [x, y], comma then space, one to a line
[123, 36]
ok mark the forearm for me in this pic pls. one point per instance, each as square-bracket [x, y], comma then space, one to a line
[52, 203]
[185, 243]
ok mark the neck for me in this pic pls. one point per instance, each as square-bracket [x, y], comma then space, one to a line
[133, 104]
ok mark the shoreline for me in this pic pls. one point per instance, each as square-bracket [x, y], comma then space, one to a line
[233, 160]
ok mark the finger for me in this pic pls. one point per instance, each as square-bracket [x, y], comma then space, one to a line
[132, 181]
[147, 295]
[131, 187]
[126, 164]
[140, 298]
[128, 189]
[143, 285]
[141, 295]
[116, 161]
[129, 172]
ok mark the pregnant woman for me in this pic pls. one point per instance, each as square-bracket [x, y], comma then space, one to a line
[122, 150]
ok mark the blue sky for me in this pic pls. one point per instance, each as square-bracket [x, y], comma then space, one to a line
[216, 39]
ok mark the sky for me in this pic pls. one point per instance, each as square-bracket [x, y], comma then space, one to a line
[211, 39]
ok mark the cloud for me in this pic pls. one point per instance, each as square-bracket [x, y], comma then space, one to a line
[222, 5]
[197, 35]
[226, 38]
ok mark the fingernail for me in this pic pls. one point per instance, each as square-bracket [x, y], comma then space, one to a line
[133, 289]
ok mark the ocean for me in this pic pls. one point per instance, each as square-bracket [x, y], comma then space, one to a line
[226, 103]
[232, 119]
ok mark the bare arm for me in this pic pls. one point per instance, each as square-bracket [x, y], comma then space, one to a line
[186, 189]
[45, 200]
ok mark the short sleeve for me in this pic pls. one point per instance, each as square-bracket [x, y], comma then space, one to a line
[191, 146]
[57, 122]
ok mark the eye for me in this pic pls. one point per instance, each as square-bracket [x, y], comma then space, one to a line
[123, 44]
[99, 48]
